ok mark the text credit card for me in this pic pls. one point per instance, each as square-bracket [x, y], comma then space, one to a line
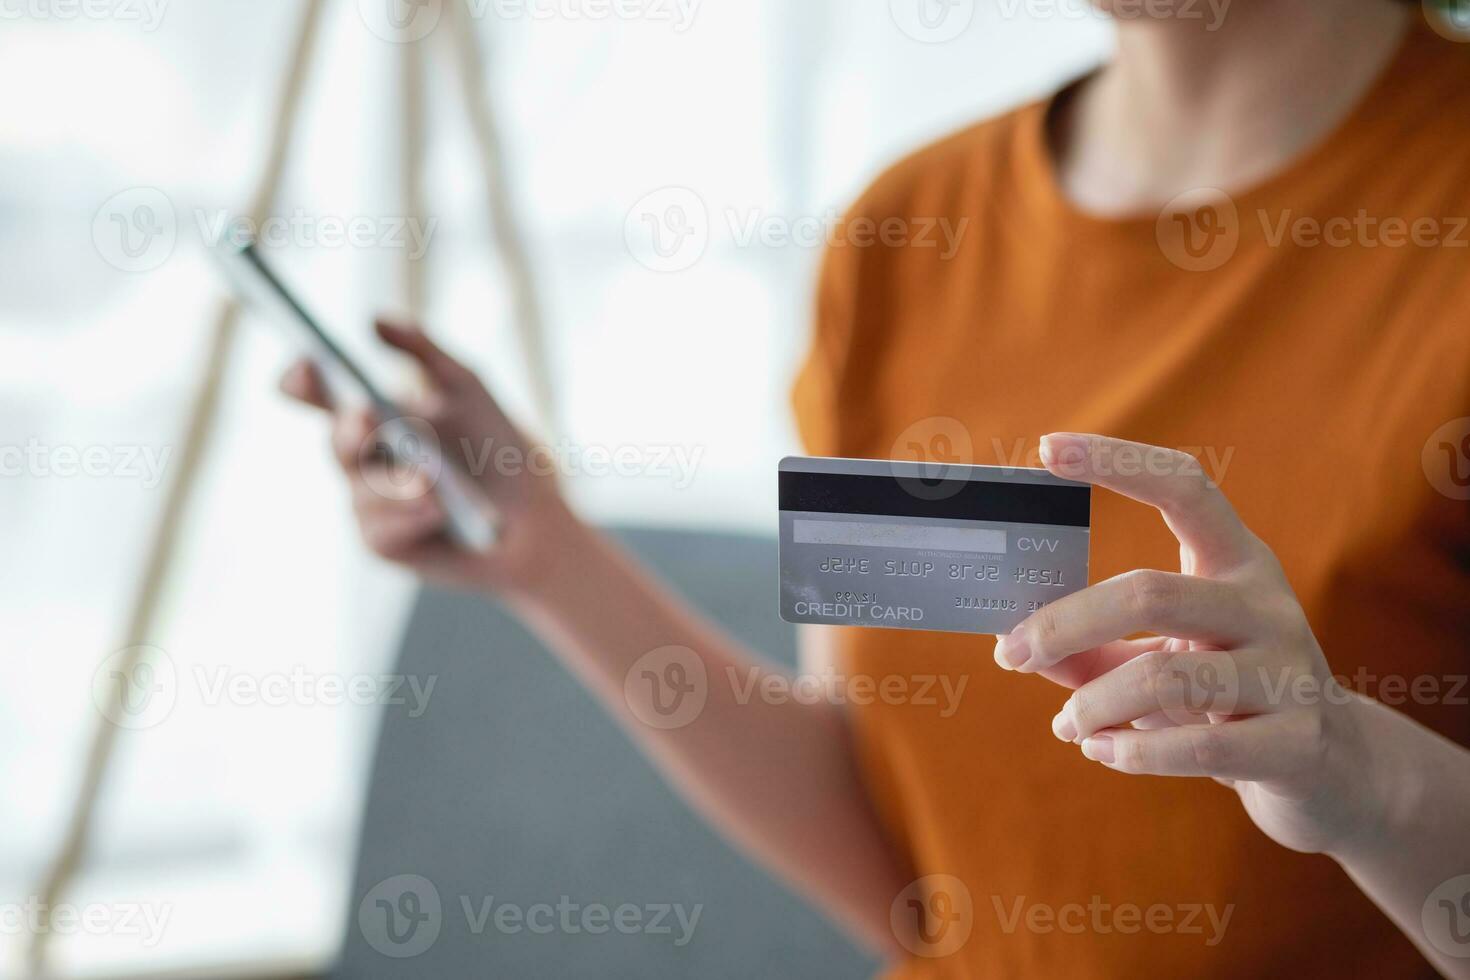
[927, 546]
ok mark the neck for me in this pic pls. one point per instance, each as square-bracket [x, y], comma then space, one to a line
[1183, 107]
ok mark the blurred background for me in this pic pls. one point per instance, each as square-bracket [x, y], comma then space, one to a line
[672, 166]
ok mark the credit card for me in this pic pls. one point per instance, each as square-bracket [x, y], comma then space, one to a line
[927, 546]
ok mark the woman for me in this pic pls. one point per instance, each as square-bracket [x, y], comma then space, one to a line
[1294, 332]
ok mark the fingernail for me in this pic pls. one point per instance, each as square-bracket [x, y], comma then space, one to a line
[1064, 451]
[1048, 455]
[392, 325]
[1062, 727]
[1099, 748]
[1011, 652]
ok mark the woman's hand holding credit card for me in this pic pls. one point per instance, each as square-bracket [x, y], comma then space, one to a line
[1213, 690]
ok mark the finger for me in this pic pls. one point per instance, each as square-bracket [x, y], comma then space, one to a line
[1172, 481]
[1260, 749]
[1180, 685]
[1146, 601]
[410, 532]
[1089, 664]
[303, 382]
[352, 438]
[438, 559]
[441, 368]
[378, 489]
[1158, 719]
[395, 529]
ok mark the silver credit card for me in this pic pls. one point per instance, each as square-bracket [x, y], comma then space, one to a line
[927, 546]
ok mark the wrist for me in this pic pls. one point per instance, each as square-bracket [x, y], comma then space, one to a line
[545, 548]
[1380, 789]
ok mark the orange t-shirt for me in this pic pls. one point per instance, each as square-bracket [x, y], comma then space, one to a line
[1319, 377]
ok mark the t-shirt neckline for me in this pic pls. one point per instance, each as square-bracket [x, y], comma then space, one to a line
[1039, 168]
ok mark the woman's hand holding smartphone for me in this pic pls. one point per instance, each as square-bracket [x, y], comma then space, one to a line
[401, 517]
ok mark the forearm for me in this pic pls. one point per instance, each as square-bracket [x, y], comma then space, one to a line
[777, 776]
[1422, 839]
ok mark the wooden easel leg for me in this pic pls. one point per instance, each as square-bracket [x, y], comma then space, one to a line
[412, 110]
[509, 241]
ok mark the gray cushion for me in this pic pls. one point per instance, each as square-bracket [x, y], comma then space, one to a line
[515, 785]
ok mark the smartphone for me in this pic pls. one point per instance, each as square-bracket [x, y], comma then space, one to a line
[469, 523]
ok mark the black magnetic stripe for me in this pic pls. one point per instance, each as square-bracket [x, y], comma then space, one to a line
[969, 500]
